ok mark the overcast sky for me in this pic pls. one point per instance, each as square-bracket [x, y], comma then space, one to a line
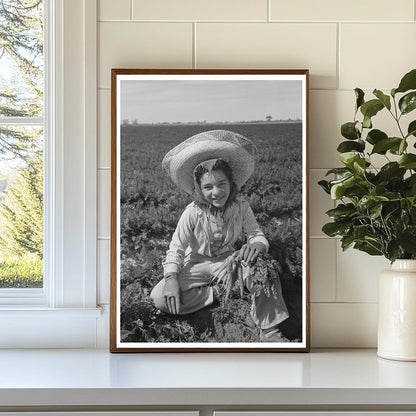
[214, 100]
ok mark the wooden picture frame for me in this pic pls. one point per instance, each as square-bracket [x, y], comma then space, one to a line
[152, 111]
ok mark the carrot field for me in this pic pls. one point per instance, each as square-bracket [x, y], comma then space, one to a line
[150, 206]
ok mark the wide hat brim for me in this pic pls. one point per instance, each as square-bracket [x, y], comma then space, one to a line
[235, 149]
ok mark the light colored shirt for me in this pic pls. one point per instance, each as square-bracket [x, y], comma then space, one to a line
[200, 232]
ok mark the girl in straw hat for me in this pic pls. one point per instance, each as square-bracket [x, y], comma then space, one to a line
[212, 166]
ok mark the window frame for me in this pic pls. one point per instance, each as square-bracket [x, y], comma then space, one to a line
[70, 208]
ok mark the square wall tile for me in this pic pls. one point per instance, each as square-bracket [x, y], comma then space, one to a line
[104, 129]
[376, 55]
[323, 255]
[319, 203]
[327, 111]
[104, 203]
[114, 10]
[200, 10]
[270, 45]
[357, 275]
[343, 325]
[340, 10]
[142, 45]
[103, 271]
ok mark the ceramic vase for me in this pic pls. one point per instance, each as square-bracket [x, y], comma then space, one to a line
[397, 312]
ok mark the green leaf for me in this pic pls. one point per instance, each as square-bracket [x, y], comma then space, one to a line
[368, 248]
[342, 211]
[359, 95]
[354, 161]
[367, 122]
[369, 201]
[393, 250]
[338, 171]
[385, 144]
[408, 82]
[385, 99]
[375, 211]
[371, 108]
[361, 231]
[402, 147]
[325, 186]
[336, 228]
[398, 149]
[411, 183]
[411, 130]
[349, 146]
[348, 158]
[338, 189]
[349, 131]
[408, 102]
[346, 242]
[359, 165]
[374, 136]
[408, 161]
[411, 180]
[391, 170]
[407, 240]
[354, 188]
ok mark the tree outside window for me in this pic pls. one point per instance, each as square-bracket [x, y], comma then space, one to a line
[21, 143]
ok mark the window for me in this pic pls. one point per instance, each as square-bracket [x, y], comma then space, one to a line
[22, 127]
[63, 312]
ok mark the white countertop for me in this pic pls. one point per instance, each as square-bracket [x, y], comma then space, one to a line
[96, 377]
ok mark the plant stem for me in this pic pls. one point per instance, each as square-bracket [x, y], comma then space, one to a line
[397, 118]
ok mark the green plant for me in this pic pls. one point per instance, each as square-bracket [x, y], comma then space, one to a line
[376, 212]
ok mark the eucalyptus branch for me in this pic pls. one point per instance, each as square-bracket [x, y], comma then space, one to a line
[390, 222]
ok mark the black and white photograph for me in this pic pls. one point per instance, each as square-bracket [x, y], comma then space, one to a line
[209, 231]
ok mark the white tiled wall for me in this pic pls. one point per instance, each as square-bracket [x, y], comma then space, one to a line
[345, 44]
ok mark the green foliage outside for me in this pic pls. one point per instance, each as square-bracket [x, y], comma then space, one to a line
[21, 213]
[376, 212]
[21, 148]
[150, 206]
[17, 271]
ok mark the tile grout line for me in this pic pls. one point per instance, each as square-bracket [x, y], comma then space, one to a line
[344, 303]
[131, 9]
[194, 62]
[336, 271]
[269, 11]
[306, 22]
[338, 63]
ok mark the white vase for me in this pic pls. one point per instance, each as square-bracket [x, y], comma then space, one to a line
[397, 312]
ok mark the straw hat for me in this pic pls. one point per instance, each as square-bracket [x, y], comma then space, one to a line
[238, 151]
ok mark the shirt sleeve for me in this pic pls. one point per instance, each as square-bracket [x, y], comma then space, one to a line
[251, 228]
[180, 241]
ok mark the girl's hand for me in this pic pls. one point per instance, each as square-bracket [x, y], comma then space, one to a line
[172, 295]
[250, 251]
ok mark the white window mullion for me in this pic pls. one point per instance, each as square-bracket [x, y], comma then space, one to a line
[22, 121]
[50, 154]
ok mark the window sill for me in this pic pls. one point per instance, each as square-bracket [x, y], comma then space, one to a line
[330, 379]
[35, 311]
[40, 327]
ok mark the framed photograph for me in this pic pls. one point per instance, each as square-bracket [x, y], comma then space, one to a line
[209, 211]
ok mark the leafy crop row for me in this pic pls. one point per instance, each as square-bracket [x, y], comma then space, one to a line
[150, 206]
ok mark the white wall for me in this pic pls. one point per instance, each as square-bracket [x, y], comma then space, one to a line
[345, 44]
